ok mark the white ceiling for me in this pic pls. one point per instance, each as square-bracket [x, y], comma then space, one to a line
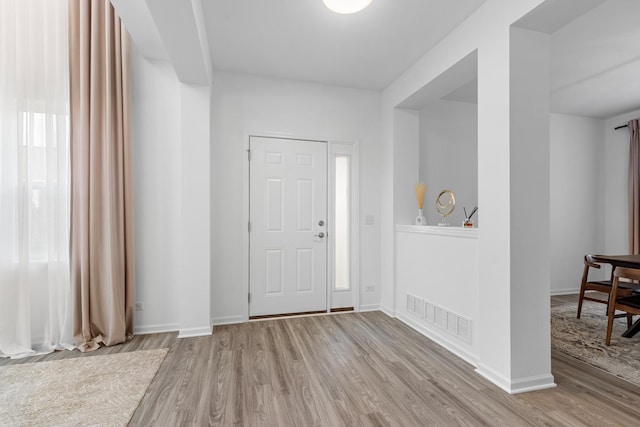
[552, 15]
[594, 53]
[303, 40]
[595, 44]
[595, 62]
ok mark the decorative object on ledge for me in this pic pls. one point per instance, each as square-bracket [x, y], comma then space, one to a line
[445, 205]
[421, 189]
[467, 218]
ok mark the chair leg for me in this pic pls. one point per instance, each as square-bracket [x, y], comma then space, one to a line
[582, 290]
[580, 302]
[610, 325]
[629, 320]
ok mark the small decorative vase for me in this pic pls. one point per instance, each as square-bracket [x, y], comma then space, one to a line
[420, 219]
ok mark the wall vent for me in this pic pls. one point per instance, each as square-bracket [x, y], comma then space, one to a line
[415, 305]
[452, 323]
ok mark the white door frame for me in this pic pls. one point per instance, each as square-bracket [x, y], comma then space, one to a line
[333, 147]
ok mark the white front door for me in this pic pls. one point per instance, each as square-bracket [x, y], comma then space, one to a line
[288, 231]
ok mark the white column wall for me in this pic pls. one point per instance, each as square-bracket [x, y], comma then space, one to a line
[171, 140]
[155, 110]
[530, 215]
[406, 140]
[487, 30]
[494, 271]
[195, 235]
[171, 130]
[387, 221]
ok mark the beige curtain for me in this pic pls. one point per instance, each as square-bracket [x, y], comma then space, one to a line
[634, 188]
[102, 251]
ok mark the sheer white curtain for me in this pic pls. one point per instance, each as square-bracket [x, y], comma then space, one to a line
[35, 311]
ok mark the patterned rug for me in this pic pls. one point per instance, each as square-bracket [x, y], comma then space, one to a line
[82, 391]
[584, 339]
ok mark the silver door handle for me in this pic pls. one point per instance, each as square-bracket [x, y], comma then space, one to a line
[320, 235]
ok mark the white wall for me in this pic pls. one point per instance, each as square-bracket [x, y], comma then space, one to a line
[616, 175]
[156, 173]
[437, 145]
[195, 211]
[406, 137]
[530, 236]
[487, 30]
[429, 261]
[170, 122]
[243, 105]
[589, 167]
[577, 197]
[449, 157]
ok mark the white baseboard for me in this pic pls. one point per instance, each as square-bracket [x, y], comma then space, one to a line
[567, 291]
[538, 382]
[388, 310]
[516, 386]
[439, 339]
[493, 376]
[155, 329]
[369, 307]
[194, 332]
[229, 320]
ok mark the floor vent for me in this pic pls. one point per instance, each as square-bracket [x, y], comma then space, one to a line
[415, 305]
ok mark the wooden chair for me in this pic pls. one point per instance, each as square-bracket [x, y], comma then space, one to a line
[630, 304]
[604, 286]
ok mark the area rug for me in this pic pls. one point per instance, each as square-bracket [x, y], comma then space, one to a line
[584, 339]
[83, 391]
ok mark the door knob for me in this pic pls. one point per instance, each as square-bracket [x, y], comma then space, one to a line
[320, 235]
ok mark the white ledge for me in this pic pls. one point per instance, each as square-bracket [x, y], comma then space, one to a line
[469, 233]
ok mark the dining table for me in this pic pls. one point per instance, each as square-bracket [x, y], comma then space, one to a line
[627, 261]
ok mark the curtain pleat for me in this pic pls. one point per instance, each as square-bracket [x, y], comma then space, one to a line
[102, 247]
[634, 187]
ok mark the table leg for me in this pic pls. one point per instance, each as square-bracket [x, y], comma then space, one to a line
[634, 329]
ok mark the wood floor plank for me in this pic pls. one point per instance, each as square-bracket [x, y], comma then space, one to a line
[353, 369]
[220, 389]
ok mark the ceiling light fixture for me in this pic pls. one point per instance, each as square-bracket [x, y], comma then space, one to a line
[346, 6]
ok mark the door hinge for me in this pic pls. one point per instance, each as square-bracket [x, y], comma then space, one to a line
[249, 297]
[249, 226]
[249, 155]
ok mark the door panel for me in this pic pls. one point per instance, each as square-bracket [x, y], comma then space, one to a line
[288, 247]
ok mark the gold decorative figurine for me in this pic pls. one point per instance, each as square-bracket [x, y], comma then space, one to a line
[445, 205]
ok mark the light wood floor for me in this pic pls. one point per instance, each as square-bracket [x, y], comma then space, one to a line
[354, 369]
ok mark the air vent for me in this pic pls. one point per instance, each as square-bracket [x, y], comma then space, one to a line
[452, 323]
[415, 305]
